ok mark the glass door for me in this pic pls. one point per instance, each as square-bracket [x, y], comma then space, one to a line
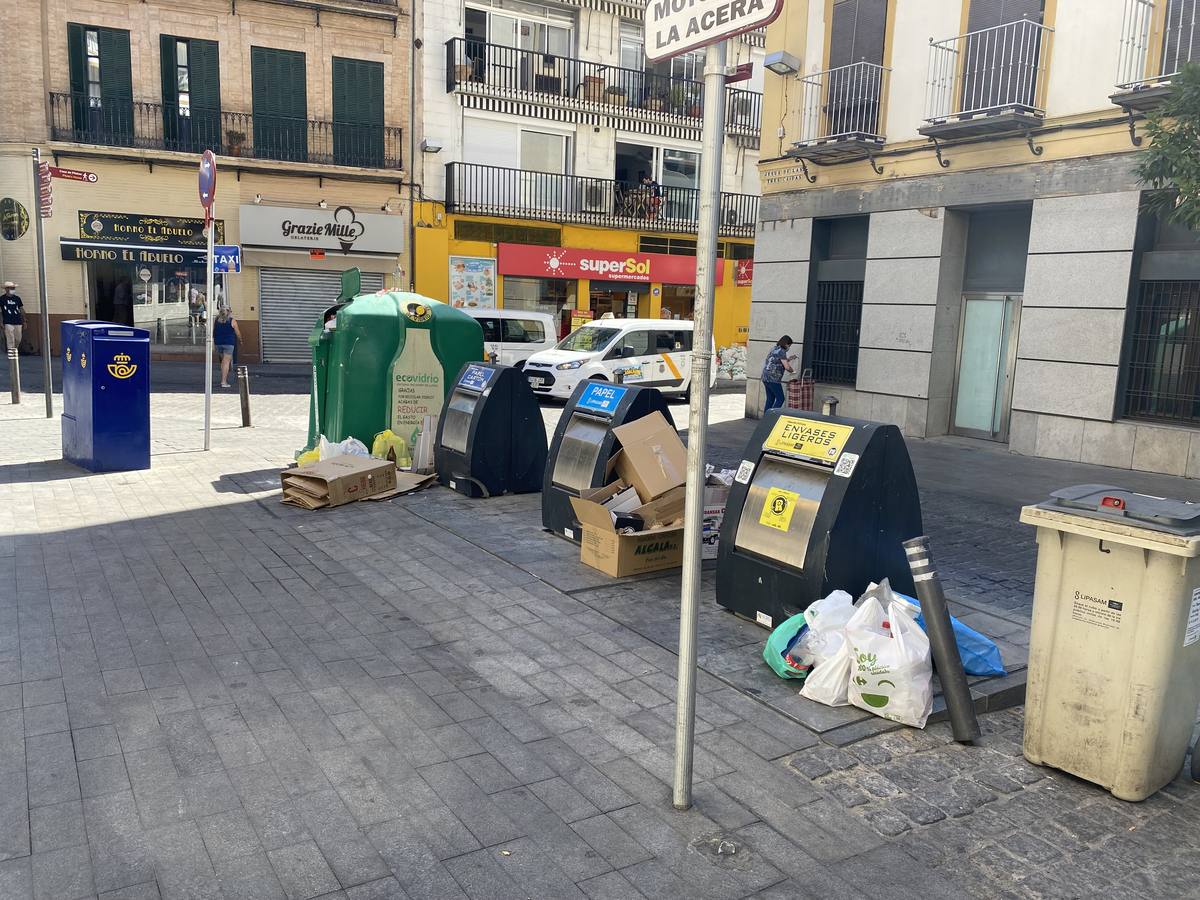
[987, 348]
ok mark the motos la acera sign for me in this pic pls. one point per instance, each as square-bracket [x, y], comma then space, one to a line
[677, 26]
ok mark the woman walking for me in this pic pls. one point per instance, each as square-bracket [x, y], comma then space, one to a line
[774, 366]
[225, 334]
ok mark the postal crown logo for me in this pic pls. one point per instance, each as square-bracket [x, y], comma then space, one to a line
[83, 360]
[121, 367]
[68, 354]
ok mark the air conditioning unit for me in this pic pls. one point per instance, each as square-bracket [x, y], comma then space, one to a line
[593, 198]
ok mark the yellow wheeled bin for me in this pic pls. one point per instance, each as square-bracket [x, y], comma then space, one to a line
[1114, 653]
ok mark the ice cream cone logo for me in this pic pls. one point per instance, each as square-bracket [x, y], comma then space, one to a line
[121, 367]
[346, 227]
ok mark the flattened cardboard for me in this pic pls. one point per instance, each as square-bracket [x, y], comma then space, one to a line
[337, 481]
[652, 458]
[406, 483]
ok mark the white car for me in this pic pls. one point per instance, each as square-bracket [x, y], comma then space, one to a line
[514, 334]
[649, 352]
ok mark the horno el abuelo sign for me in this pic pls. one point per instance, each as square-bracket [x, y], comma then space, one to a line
[677, 26]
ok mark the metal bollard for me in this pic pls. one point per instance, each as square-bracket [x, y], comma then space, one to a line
[14, 373]
[243, 377]
[619, 376]
[829, 406]
[493, 357]
[946, 659]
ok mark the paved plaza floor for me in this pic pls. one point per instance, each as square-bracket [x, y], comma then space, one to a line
[204, 693]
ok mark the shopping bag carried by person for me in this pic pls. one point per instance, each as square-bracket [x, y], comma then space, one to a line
[891, 672]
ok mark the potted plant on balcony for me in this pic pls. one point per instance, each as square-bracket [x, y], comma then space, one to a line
[234, 141]
[680, 100]
[655, 103]
[614, 95]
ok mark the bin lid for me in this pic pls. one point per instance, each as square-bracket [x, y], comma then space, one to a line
[1114, 504]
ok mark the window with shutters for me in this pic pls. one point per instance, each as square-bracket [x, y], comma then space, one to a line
[191, 95]
[357, 112]
[280, 102]
[1002, 54]
[101, 84]
[855, 84]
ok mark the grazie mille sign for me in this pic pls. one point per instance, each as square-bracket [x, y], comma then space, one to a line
[677, 26]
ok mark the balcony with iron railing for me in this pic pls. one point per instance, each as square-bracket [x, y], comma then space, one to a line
[580, 200]
[115, 122]
[1153, 52]
[841, 113]
[991, 80]
[475, 67]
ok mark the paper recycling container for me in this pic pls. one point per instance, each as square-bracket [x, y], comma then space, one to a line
[1114, 655]
[106, 396]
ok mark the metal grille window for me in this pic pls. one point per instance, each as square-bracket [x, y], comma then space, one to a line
[1163, 367]
[835, 316]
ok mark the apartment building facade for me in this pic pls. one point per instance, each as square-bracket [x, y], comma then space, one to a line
[307, 107]
[952, 227]
[553, 148]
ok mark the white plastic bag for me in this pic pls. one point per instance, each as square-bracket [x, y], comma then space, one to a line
[826, 619]
[829, 681]
[890, 667]
[351, 446]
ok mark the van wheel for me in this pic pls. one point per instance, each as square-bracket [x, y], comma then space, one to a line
[596, 378]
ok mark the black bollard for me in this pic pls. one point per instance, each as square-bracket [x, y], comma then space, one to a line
[14, 373]
[959, 704]
[243, 377]
[829, 406]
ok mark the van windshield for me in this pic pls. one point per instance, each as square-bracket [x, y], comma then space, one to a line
[588, 339]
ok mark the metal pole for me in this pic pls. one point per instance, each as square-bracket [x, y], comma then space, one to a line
[829, 406]
[209, 312]
[243, 377]
[706, 266]
[949, 665]
[14, 374]
[47, 374]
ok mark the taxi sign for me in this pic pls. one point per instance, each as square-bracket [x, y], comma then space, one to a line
[227, 258]
[778, 508]
[822, 441]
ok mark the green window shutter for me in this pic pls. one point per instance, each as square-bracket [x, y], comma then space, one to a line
[205, 74]
[357, 91]
[261, 97]
[77, 53]
[278, 92]
[166, 61]
[116, 74]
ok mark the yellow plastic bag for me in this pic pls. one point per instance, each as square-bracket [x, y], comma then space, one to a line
[389, 445]
[309, 456]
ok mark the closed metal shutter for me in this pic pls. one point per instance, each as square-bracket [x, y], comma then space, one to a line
[291, 301]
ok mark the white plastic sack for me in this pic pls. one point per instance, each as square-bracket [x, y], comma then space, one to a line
[829, 682]
[351, 446]
[826, 619]
[890, 667]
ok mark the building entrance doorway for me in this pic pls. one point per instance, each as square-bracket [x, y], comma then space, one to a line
[987, 350]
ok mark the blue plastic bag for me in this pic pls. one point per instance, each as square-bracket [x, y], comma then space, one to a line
[980, 655]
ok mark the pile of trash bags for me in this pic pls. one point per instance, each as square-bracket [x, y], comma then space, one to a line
[872, 654]
[731, 362]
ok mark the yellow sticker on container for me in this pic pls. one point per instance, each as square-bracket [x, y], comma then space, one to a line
[778, 508]
[804, 437]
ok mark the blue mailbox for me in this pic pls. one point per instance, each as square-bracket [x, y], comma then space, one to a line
[106, 396]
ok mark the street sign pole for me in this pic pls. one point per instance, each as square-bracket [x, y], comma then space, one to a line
[208, 326]
[43, 293]
[693, 520]
[207, 183]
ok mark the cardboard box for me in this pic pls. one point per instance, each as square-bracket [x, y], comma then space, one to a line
[601, 547]
[333, 482]
[652, 457]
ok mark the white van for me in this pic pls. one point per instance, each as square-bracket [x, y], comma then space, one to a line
[651, 352]
[514, 334]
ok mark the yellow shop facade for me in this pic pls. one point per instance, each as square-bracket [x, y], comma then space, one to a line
[576, 272]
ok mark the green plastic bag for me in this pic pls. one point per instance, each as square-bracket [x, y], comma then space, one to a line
[780, 643]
